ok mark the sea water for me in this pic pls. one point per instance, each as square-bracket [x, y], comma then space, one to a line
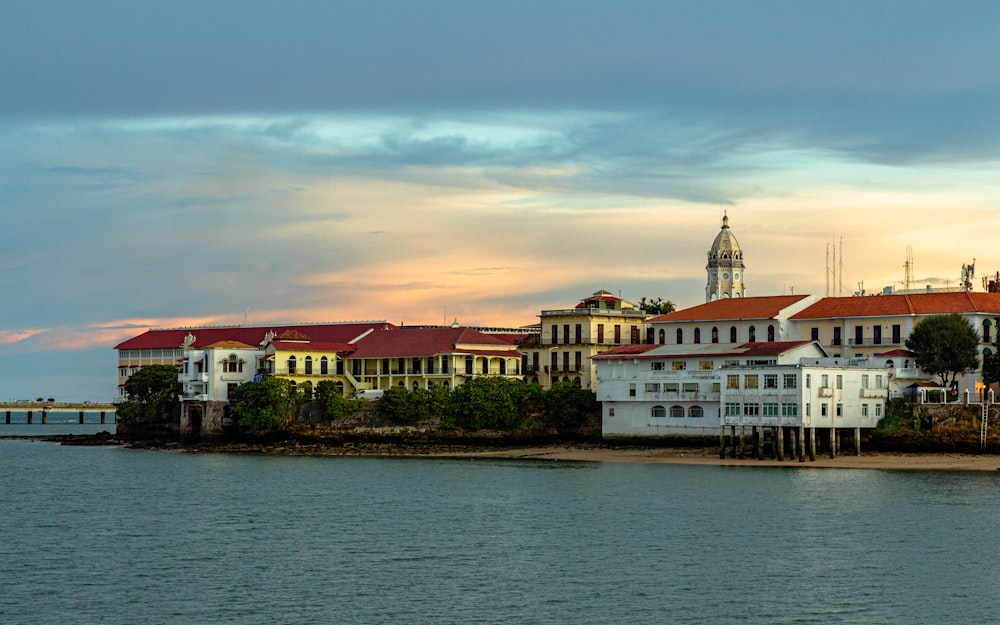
[110, 535]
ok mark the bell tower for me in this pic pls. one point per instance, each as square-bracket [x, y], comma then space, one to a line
[725, 266]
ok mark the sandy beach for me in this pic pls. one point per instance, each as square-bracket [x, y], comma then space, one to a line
[706, 456]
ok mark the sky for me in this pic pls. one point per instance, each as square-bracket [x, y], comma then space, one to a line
[174, 164]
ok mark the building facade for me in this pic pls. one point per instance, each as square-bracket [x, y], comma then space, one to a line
[569, 338]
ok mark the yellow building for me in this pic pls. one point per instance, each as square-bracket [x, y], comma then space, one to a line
[568, 339]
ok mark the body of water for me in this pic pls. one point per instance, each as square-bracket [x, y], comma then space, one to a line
[109, 535]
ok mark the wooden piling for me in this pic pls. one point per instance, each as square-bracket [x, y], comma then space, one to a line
[779, 442]
[742, 441]
[45, 417]
[81, 417]
[857, 441]
[732, 437]
[29, 417]
[802, 443]
[833, 442]
[757, 434]
[812, 444]
[722, 442]
[102, 417]
[8, 417]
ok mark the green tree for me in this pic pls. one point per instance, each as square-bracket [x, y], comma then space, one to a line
[567, 405]
[488, 402]
[152, 397]
[264, 405]
[330, 396]
[945, 346]
[657, 306]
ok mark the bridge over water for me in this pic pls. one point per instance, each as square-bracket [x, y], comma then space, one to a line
[31, 408]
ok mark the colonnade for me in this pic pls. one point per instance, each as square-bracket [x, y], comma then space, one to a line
[800, 442]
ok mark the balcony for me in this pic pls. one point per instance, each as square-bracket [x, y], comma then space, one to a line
[874, 393]
[824, 391]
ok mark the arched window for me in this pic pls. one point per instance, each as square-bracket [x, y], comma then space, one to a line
[291, 365]
[715, 335]
[697, 335]
[309, 365]
[770, 334]
[986, 330]
[680, 336]
[659, 412]
[234, 364]
[663, 337]
[732, 334]
[696, 412]
[577, 381]
[889, 364]
[677, 412]
[324, 366]
[753, 334]
[416, 385]
[503, 367]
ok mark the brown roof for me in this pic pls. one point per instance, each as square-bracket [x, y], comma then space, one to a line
[916, 304]
[419, 342]
[774, 348]
[251, 335]
[733, 309]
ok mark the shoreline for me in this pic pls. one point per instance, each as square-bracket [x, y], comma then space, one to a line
[549, 452]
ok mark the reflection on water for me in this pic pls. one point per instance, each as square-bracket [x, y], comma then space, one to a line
[124, 536]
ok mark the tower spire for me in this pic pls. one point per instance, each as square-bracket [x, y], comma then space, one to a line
[725, 265]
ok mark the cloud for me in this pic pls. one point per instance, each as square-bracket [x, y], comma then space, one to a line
[9, 337]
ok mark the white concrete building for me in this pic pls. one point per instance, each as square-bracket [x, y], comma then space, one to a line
[654, 390]
[207, 376]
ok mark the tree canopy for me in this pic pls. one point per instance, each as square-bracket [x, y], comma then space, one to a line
[945, 346]
[657, 306]
[152, 396]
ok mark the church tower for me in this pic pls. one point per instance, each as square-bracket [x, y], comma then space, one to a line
[725, 266]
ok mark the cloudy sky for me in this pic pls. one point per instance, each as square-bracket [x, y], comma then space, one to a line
[168, 164]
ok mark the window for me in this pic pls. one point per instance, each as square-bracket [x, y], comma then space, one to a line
[657, 365]
[679, 365]
[555, 361]
[309, 365]
[578, 360]
[486, 365]
[732, 410]
[430, 364]
[705, 365]
[877, 335]
[611, 412]
[878, 410]
[814, 334]
[859, 335]
[503, 367]
[770, 380]
[864, 380]
[555, 335]
[324, 366]
[658, 412]
[753, 334]
[715, 335]
[578, 334]
[634, 334]
[836, 336]
[663, 337]
[750, 381]
[696, 412]
[670, 387]
[652, 387]
[233, 364]
[469, 364]
[732, 334]
[732, 381]
[291, 365]
[896, 334]
[770, 334]
[864, 410]
[824, 381]
[618, 334]
[878, 381]
[840, 381]
[600, 333]
[697, 335]
[731, 363]
[790, 381]
[789, 410]
[751, 410]
[565, 361]
[840, 410]
[677, 412]
[631, 389]
[690, 387]
[770, 409]
[808, 410]
[680, 336]
[808, 380]
[566, 333]
[716, 387]
[823, 409]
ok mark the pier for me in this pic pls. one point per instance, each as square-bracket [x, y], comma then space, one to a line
[43, 409]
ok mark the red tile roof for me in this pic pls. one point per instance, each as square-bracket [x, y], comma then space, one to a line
[733, 309]
[174, 338]
[915, 304]
[421, 342]
[312, 346]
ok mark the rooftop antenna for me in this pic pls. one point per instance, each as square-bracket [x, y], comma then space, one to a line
[245, 315]
[908, 268]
